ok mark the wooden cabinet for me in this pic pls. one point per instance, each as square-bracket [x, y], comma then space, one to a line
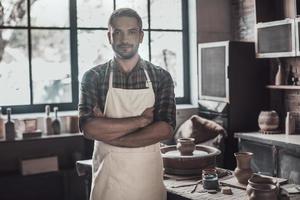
[229, 73]
[275, 155]
[64, 184]
[277, 29]
[229, 76]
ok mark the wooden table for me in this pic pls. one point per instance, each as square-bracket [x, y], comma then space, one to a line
[182, 190]
[172, 182]
[181, 187]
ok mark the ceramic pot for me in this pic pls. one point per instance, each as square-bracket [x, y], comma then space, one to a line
[263, 192]
[243, 171]
[185, 146]
[257, 180]
[268, 120]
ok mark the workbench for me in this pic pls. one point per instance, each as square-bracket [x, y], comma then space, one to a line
[178, 187]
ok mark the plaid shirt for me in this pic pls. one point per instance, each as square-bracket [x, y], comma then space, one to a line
[95, 83]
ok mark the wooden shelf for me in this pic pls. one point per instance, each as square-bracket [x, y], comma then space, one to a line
[284, 87]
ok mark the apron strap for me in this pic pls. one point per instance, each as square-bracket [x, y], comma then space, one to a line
[110, 82]
[110, 85]
[148, 81]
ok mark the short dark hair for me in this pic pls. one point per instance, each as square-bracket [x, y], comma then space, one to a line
[125, 12]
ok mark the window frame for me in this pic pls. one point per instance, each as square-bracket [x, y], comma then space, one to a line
[34, 108]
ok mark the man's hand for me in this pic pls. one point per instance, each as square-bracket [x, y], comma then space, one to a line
[147, 117]
[97, 112]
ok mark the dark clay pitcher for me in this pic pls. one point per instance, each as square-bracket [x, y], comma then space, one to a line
[263, 187]
[243, 170]
[263, 192]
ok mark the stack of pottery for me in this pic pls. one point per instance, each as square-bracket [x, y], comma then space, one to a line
[268, 120]
[262, 188]
[243, 170]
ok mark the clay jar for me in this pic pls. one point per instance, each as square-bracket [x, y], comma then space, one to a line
[262, 192]
[185, 146]
[255, 182]
[243, 171]
[268, 120]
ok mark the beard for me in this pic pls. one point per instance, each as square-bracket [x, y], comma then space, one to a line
[125, 51]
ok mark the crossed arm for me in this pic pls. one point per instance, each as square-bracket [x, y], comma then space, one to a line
[135, 131]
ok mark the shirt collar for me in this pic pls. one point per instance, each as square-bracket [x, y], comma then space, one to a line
[139, 65]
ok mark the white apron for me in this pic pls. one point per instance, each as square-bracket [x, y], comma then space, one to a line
[127, 173]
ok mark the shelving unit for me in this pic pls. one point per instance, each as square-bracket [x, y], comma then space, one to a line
[284, 87]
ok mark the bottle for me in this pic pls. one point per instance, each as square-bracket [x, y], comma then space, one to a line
[56, 122]
[2, 133]
[295, 78]
[10, 130]
[279, 78]
[290, 77]
[48, 121]
[289, 124]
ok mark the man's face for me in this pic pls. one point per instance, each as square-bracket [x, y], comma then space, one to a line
[125, 36]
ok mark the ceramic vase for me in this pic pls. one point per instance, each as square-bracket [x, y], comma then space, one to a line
[268, 120]
[280, 76]
[243, 171]
[185, 146]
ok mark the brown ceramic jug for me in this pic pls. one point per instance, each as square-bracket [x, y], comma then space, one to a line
[185, 146]
[243, 171]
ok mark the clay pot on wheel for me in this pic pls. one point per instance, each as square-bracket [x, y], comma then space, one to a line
[243, 171]
[185, 146]
[268, 120]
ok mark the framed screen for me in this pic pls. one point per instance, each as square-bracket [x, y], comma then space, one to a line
[213, 62]
[276, 39]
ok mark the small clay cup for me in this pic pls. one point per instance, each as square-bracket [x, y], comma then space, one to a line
[185, 146]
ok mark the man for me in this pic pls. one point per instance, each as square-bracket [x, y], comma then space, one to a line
[127, 106]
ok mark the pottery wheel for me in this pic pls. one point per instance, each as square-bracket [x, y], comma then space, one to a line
[203, 157]
[176, 153]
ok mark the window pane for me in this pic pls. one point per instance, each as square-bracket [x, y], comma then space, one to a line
[14, 12]
[166, 51]
[144, 47]
[50, 13]
[138, 5]
[14, 73]
[93, 13]
[51, 68]
[166, 14]
[93, 49]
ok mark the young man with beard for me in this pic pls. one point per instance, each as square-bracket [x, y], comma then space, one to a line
[127, 106]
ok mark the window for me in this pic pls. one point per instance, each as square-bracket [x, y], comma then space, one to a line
[47, 45]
